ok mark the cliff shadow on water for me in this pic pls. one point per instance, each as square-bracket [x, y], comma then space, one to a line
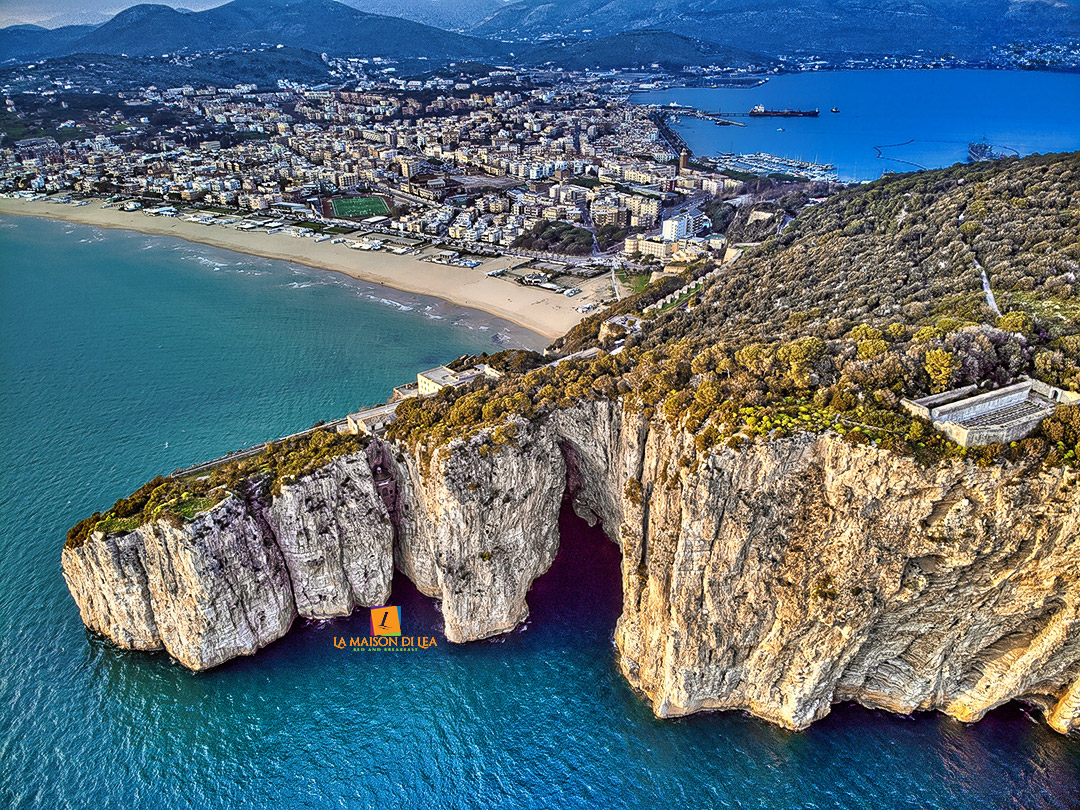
[579, 599]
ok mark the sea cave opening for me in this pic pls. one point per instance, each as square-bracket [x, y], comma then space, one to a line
[583, 587]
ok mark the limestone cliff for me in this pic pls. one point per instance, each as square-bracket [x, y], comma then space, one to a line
[476, 528]
[777, 578]
[235, 578]
[787, 576]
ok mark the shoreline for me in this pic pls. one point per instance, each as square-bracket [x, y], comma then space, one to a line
[547, 315]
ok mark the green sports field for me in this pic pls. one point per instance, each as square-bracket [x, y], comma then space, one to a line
[359, 207]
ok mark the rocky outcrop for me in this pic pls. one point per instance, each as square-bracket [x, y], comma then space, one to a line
[478, 524]
[335, 537]
[787, 576]
[776, 578]
[235, 578]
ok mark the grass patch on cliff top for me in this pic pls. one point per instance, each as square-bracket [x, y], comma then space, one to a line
[179, 499]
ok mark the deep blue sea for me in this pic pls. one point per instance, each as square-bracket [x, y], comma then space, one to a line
[916, 118]
[124, 356]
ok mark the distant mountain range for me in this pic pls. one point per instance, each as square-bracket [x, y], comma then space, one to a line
[453, 15]
[322, 26]
[262, 68]
[632, 49]
[34, 42]
[963, 27]
[573, 33]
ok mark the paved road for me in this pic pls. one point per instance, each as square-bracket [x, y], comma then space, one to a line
[990, 300]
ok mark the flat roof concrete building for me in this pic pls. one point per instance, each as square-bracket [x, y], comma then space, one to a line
[435, 379]
[973, 419]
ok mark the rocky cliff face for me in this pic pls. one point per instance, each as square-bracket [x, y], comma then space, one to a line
[785, 577]
[235, 578]
[777, 578]
[477, 527]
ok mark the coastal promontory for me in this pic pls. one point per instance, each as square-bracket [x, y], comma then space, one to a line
[794, 531]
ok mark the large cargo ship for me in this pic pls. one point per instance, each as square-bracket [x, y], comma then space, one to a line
[760, 110]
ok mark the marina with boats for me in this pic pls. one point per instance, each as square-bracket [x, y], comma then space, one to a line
[762, 164]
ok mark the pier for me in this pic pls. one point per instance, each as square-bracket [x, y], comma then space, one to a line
[692, 112]
[724, 118]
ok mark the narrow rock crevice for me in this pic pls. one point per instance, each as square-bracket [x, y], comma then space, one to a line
[775, 578]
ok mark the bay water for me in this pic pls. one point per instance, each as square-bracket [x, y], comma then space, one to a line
[124, 356]
[887, 120]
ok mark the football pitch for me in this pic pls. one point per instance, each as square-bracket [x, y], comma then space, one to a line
[359, 207]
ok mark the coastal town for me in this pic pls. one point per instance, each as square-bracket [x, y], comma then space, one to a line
[562, 188]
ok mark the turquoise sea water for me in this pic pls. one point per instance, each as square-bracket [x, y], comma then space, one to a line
[114, 344]
[918, 118]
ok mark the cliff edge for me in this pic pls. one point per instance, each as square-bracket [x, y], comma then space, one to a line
[778, 577]
[235, 577]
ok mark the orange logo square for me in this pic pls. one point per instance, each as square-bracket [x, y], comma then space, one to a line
[386, 621]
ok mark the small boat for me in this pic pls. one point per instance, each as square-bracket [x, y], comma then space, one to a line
[779, 129]
[834, 109]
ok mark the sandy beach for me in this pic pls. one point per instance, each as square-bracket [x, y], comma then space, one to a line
[540, 311]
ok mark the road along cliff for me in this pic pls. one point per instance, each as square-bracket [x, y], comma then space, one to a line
[777, 577]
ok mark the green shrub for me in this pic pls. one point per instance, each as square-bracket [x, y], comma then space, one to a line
[180, 499]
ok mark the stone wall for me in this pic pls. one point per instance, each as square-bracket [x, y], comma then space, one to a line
[989, 434]
[982, 404]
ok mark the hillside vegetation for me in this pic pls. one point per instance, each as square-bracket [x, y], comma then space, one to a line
[181, 498]
[556, 237]
[873, 295]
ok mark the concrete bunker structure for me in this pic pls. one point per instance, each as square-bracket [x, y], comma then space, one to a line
[973, 419]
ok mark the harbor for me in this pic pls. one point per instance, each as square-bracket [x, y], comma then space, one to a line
[764, 164]
[667, 118]
[927, 118]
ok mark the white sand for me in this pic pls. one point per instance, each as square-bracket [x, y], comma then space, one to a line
[541, 311]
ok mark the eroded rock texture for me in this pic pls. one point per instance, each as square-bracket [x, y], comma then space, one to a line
[777, 578]
[235, 578]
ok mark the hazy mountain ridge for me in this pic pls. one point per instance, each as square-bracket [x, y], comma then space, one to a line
[556, 31]
[34, 42]
[325, 26]
[448, 14]
[639, 49]
[776, 26]
[315, 25]
[224, 68]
